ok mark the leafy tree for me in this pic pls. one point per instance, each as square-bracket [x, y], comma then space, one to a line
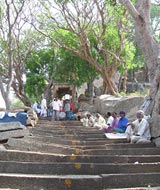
[45, 66]
[96, 35]
[40, 71]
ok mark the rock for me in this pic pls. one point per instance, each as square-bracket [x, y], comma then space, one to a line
[130, 104]
[12, 129]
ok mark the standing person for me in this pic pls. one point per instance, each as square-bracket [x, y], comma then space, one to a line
[67, 108]
[43, 108]
[61, 104]
[72, 107]
[122, 123]
[56, 105]
[139, 131]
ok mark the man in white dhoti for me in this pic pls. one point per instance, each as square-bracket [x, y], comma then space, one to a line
[43, 108]
[100, 122]
[139, 131]
[91, 120]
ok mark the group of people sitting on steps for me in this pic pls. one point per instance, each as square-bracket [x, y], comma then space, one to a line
[137, 131]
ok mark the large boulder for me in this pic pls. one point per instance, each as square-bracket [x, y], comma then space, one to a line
[130, 104]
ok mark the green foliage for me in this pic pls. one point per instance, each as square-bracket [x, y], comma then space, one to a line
[128, 54]
[64, 67]
[72, 69]
[138, 61]
[39, 70]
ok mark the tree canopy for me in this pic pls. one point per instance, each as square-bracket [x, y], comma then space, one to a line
[59, 40]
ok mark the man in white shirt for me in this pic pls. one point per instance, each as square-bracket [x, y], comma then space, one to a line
[109, 119]
[139, 131]
[56, 105]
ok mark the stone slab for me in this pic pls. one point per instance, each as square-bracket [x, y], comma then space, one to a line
[137, 188]
[28, 156]
[131, 180]
[57, 168]
[51, 182]
[39, 147]
[5, 135]
[61, 140]
[11, 126]
[125, 151]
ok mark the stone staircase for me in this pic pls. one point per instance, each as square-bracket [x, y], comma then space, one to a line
[66, 156]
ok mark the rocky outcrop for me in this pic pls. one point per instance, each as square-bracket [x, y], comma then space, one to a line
[105, 103]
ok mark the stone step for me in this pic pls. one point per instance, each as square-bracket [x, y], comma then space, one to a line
[63, 168]
[82, 144]
[7, 189]
[61, 140]
[62, 130]
[129, 180]
[73, 149]
[16, 144]
[71, 135]
[115, 146]
[51, 182]
[47, 123]
[137, 188]
[25, 156]
[124, 151]
[79, 182]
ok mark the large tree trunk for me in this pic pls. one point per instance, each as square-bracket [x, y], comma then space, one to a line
[6, 95]
[151, 52]
[110, 86]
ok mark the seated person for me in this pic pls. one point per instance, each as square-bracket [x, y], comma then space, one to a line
[100, 122]
[70, 115]
[84, 120]
[109, 119]
[138, 131]
[109, 128]
[91, 120]
[122, 123]
[36, 108]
